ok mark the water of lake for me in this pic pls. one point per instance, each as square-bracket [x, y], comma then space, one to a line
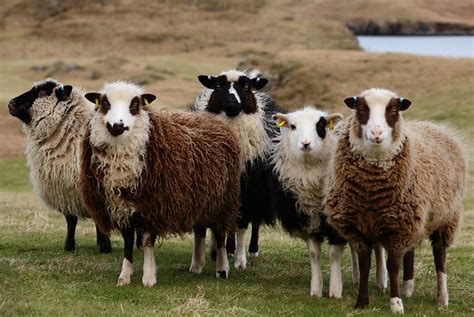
[447, 46]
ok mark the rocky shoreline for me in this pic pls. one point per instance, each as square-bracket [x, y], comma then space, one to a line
[372, 27]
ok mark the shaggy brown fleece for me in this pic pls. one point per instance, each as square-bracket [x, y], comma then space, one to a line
[418, 193]
[191, 177]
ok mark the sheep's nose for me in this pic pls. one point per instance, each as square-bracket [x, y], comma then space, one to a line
[232, 99]
[306, 144]
[116, 129]
[11, 105]
[376, 133]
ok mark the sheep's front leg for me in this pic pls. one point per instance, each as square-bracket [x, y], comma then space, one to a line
[240, 256]
[149, 264]
[408, 273]
[393, 265]
[314, 252]
[127, 264]
[197, 262]
[222, 265]
[335, 281]
[380, 267]
[439, 253]
[70, 242]
[363, 255]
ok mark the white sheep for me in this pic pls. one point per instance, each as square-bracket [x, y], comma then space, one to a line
[54, 119]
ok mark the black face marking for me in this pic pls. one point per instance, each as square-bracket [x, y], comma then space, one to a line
[321, 127]
[20, 106]
[224, 100]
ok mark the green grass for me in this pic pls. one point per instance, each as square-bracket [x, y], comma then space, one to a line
[15, 175]
[38, 278]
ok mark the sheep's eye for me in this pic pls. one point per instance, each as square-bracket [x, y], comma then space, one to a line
[246, 88]
[293, 127]
[218, 86]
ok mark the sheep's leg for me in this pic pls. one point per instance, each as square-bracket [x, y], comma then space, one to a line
[70, 242]
[380, 268]
[197, 262]
[440, 241]
[213, 247]
[139, 235]
[230, 244]
[125, 277]
[253, 247]
[222, 265]
[314, 252]
[393, 266]
[364, 258]
[103, 241]
[408, 269]
[355, 266]
[335, 280]
[149, 264]
[240, 256]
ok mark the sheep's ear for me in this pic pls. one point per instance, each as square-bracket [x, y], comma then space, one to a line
[403, 103]
[333, 119]
[259, 82]
[93, 97]
[281, 120]
[351, 102]
[63, 92]
[147, 99]
[207, 81]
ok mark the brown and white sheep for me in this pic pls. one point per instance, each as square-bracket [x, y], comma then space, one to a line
[165, 173]
[54, 119]
[395, 182]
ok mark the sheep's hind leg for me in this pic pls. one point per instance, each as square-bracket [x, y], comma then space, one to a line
[70, 242]
[197, 262]
[253, 247]
[125, 277]
[103, 241]
[408, 270]
[355, 266]
[314, 252]
[335, 280]
[149, 264]
[230, 245]
[380, 267]
[240, 256]
[393, 266]
[440, 241]
[222, 265]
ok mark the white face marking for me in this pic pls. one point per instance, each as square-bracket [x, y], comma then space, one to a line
[376, 133]
[232, 91]
[119, 112]
[304, 140]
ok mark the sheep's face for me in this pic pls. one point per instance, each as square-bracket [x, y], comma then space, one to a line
[377, 111]
[233, 92]
[305, 131]
[42, 99]
[118, 105]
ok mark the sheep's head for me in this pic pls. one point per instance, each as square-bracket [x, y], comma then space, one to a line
[233, 92]
[118, 104]
[304, 132]
[377, 117]
[43, 98]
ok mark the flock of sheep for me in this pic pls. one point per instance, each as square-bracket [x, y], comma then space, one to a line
[237, 158]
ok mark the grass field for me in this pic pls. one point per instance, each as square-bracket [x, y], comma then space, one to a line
[38, 278]
[309, 56]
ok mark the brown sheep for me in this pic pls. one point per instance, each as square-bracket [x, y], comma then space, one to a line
[395, 182]
[164, 173]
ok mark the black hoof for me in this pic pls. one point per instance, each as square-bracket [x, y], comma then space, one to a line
[69, 248]
[222, 274]
[105, 249]
[214, 255]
